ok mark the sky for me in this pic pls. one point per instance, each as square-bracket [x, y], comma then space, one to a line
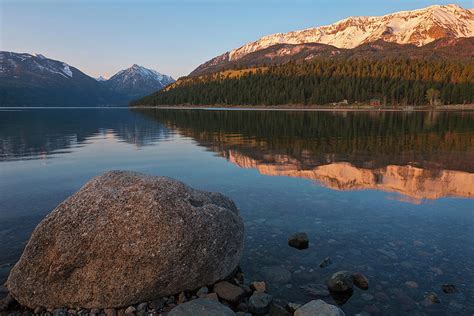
[172, 37]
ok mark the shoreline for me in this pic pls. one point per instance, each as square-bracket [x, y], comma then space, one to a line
[365, 108]
[312, 108]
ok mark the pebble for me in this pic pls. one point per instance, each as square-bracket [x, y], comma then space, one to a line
[130, 310]
[182, 298]
[259, 286]
[341, 281]
[142, 306]
[158, 304]
[110, 312]
[299, 241]
[326, 262]
[361, 281]
[431, 299]
[202, 292]
[449, 288]
[259, 303]
[212, 296]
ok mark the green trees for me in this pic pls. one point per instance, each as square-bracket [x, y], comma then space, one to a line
[323, 81]
[432, 95]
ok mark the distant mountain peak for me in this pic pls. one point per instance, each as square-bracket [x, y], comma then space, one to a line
[101, 78]
[137, 81]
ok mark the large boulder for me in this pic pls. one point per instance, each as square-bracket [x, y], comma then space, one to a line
[125, 238]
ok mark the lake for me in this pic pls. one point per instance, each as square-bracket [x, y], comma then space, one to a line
[388, 194]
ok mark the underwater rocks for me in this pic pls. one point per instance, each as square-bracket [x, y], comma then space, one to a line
[125, 238]
[319, 307]
[299, 241]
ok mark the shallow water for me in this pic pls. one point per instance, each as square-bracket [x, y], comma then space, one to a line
[386, 194]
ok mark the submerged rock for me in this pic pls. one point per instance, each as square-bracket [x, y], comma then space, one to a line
[299, 241]
[318, 307]
[259, 303]
[449, 288]
[201, 307]
[125, 238]
[326, 262]
[360, 281]
[341, 281]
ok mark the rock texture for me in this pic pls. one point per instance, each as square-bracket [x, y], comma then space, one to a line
[299, 241]
[126, 238]
[318, 307]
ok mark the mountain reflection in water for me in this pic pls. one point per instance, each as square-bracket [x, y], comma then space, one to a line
[420, 155]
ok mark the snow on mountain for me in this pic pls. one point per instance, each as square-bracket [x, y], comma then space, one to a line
[14, 62]
[101, 78]
[418, 27]
[137, 81]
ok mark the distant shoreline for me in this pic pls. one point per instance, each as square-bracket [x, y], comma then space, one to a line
[326, 108]
[362, 108]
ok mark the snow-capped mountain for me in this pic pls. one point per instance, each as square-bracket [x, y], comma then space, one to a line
[101, 78]
[34, 80]
[14, 64]
[417, 27]
[137, 81]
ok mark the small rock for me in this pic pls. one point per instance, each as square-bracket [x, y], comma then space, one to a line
[278, 310]
[258, 286]
[95, 311]
[38, 310]
[341, 281]
[228, 291]
[130, 310]
[259, 303]
[299, 241]
[212, 296]
[171, 300]
[182, 298]
[361, 281]
[449, 288]
[201, 307]
[431, 299]
[158, 304]
[202, 292]
[411, 284]
[243, 314]
[319, 307]
[142, 306]
[292, 307]
[326, 262]
[110, 312]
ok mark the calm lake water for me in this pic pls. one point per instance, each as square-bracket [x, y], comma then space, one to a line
[386, 194]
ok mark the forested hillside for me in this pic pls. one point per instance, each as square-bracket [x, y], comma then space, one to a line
[325, 80]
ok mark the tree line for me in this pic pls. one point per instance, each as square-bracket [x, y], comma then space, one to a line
[324, 81]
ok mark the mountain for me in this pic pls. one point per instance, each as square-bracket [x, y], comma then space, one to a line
[137, 81]
[34, 80]
[100, 78]
[461, 49]
[416, 28]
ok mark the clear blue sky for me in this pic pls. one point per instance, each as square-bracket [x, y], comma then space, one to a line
[173, 37]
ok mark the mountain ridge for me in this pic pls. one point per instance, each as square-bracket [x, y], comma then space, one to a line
[417, 27]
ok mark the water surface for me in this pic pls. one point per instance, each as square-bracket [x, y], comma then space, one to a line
[387, 194]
